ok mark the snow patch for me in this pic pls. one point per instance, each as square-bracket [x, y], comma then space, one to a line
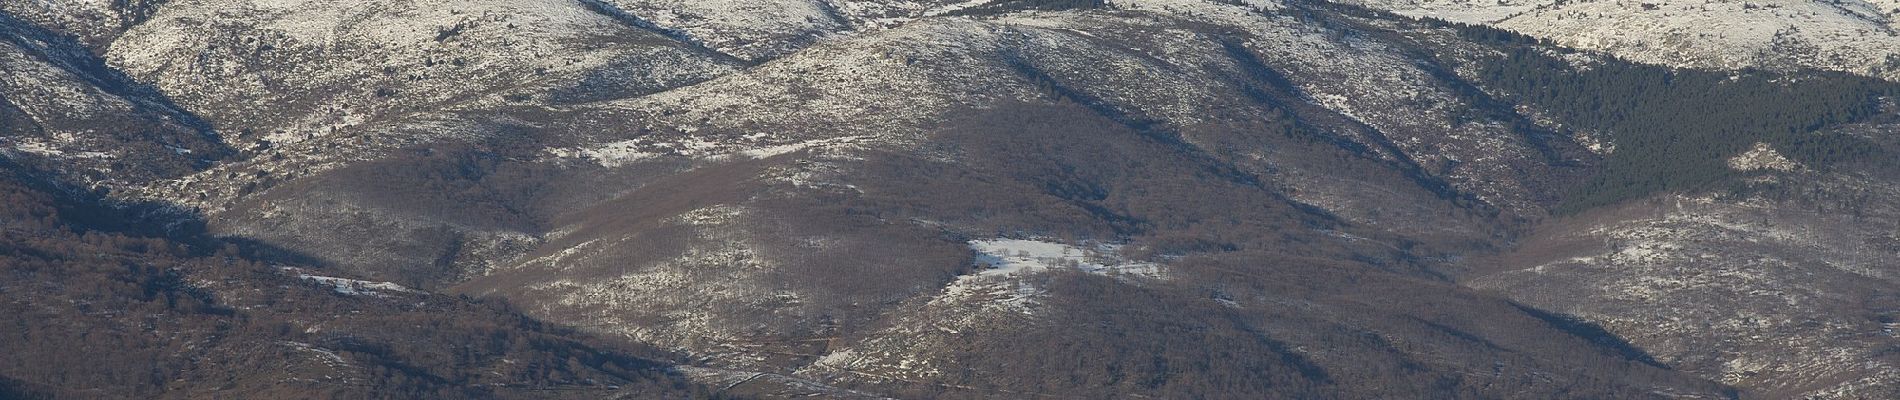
[43, 149]
[329, 357]
[626, 152]
[1014, 256]
[352, 287]
[1008, 260]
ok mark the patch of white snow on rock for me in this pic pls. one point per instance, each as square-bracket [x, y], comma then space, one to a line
[1006, 257]
[351, 287]
[1005, 263]
[1762, 157]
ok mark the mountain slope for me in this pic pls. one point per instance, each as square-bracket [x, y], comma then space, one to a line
[157, 318]
[1849, 36]
[280, 72]
[1165, 198]
[1790, 271]
[734, 219]
[64, 110]
[94, 23]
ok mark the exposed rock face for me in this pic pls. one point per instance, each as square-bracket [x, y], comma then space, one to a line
[1762, 157]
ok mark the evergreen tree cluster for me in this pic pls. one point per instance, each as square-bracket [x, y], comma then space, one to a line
[1674, 129]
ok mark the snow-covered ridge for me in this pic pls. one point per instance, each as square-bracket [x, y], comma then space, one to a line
[752, 30]
[761, 30]
[291, 70]
[1854, 36]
